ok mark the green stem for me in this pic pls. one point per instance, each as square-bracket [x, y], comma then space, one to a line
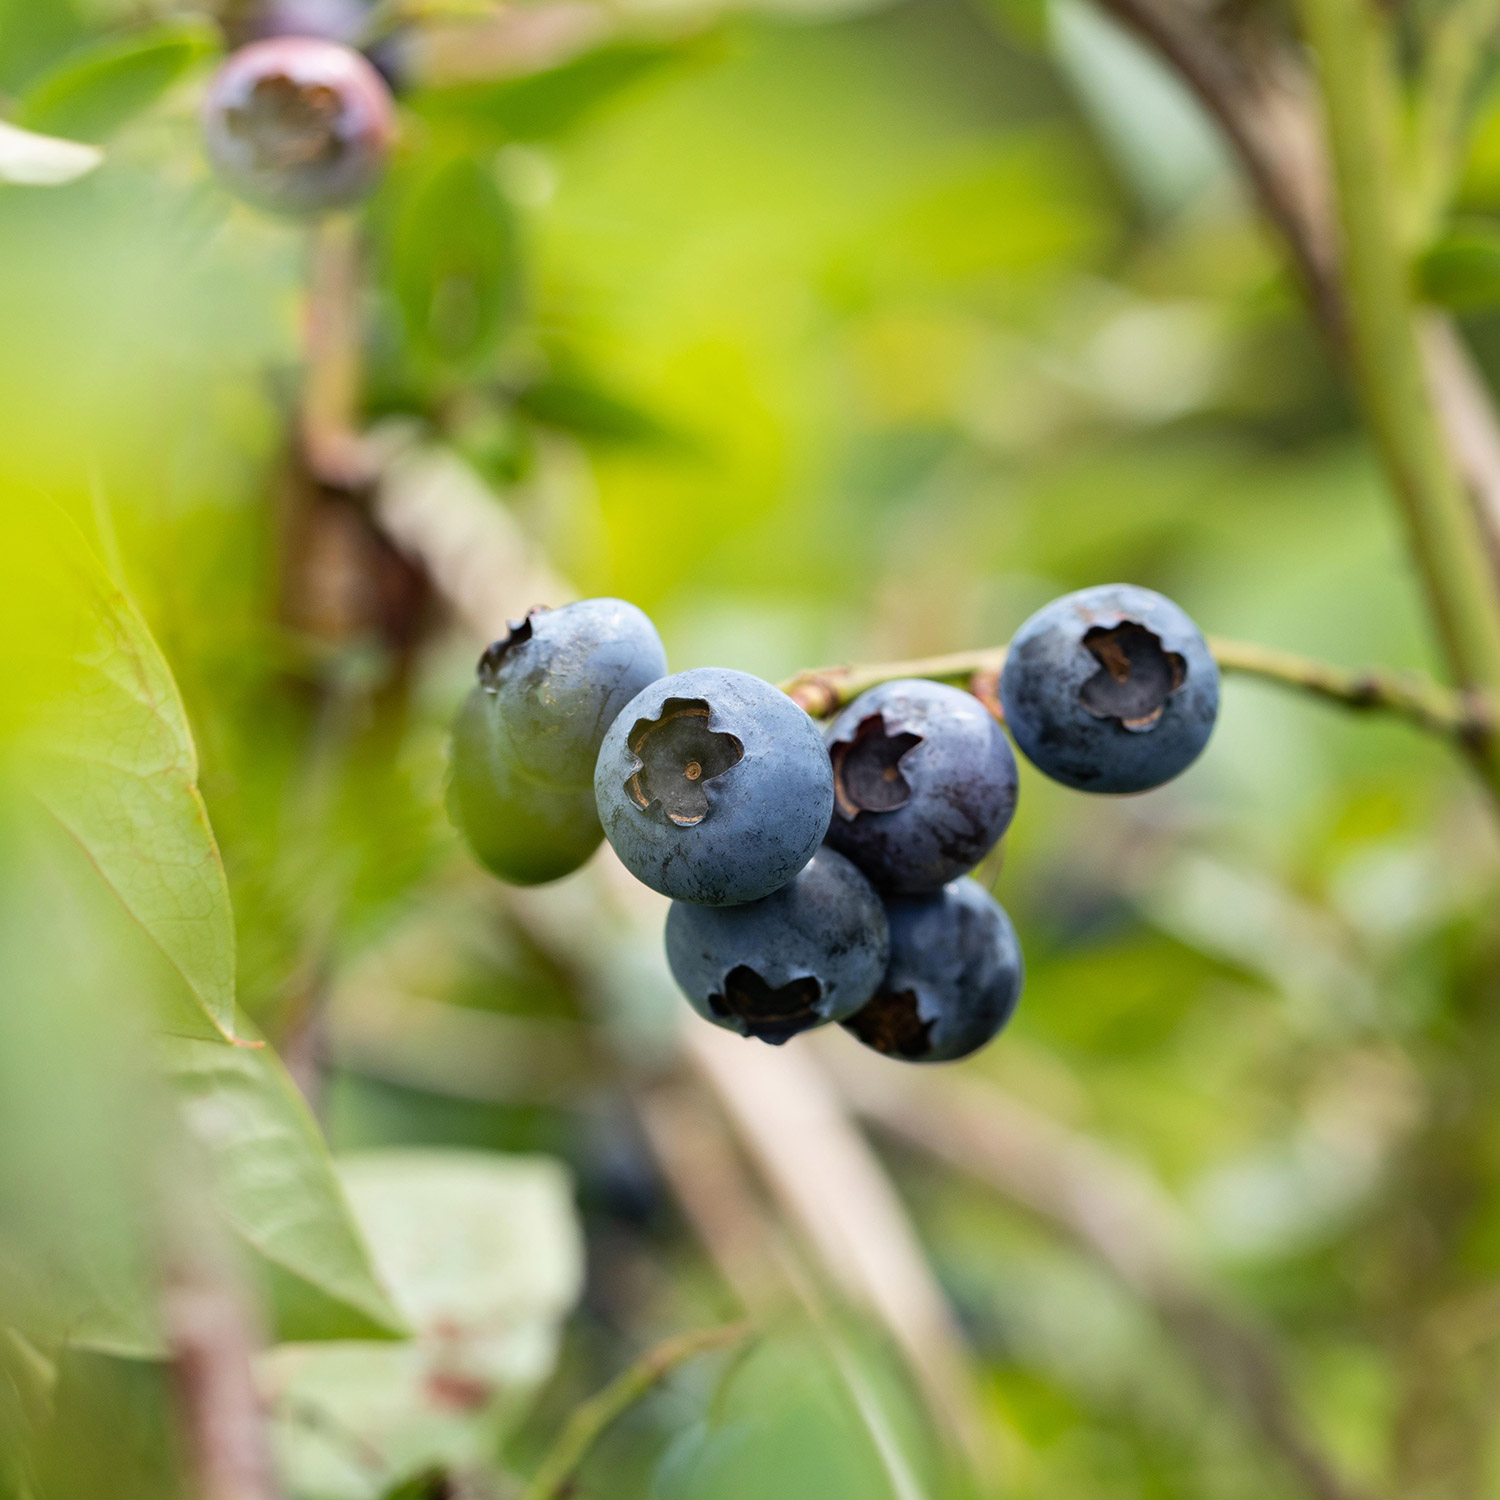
[1464, 717]
[590, 1419]
[1351, 41]
[1455, 55]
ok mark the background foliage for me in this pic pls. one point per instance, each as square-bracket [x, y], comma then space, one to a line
[822, 332]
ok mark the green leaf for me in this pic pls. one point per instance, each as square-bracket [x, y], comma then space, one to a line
[114, 1431]
[1462, 268]
[453, 261]
[430, 1483]
[483, 1254]
[101, 85]
[32, 160]
[576, 404]
[114, 763]
[279, 1192]
[545, 104]
[78, 1249]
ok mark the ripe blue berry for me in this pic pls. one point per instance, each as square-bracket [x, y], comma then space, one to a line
[954, 977]
[519, 829]
[298, 125]
[332, 20]
[924, 784]
[809, 953]
[560, 677]
[346, 21]
[1111, 689]
[714, 787]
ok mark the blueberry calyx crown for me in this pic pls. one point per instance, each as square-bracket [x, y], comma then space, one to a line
[494, 654]
[867, 769]
[1137, 675]
[892, 1023]
[288, 124]
[675, 755]
[765, 1012]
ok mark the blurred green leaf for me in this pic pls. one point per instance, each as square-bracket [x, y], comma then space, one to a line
[98, 87]
[575, 404]
[483, 1247]
[279, 1192]
[545, 104]
[114, 763]
[798, 1418]
[115, 1431]
[77, 1186]
[454, 261]
[32, 160]
[484, 1258]
[1461, 270]
[428, 1484]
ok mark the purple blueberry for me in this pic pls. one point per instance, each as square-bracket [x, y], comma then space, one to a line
[560, 677]
[714, 787]
[298, 125]
[1111, 689]
[924, 784]
[953, 981]
[809, 953]
[346, 21]
[519, 829]
[332, 20]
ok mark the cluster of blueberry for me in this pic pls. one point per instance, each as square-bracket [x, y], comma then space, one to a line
[811, 880]
[817, 877]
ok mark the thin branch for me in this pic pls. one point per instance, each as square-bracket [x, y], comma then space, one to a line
[588, 1422]
[836, 1192]
[1268, 126]
[1353, 45]
[209, 1333]
[1466, 717]
[332, 447]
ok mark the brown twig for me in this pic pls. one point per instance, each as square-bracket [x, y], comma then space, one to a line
[835, 1191]
[332, 446]
[1408, 695]
[211, 1338]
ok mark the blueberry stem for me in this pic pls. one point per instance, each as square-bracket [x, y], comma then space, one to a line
[589, 1420]
[1465, 717]
[1355, 50]
[329, 417]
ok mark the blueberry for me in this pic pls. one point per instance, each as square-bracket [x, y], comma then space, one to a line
[714, 787]
[1111, 689]
[924, 784]
[346, 21]
[954, 977]
[332, 20]
[298, 125]
[809, 953]
[520, 830]
[560, 677]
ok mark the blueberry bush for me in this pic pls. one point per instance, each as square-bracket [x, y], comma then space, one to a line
[440, 440]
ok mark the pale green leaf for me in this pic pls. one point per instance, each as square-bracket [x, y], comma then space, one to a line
[115, 765]
[483, 1255]
[101, 85]
[279, 1192]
